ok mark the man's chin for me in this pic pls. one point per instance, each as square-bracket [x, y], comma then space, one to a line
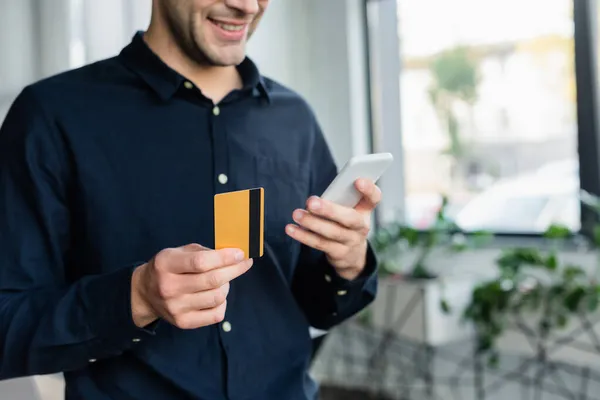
[229, 61]
[229, 57]
[224, 58]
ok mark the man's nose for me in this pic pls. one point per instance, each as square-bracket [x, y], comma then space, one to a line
[245, 6]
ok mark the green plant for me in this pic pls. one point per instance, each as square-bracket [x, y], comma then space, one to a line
[531, 280]
[396, 241]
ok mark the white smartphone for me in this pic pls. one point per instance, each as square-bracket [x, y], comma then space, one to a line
[342, 189]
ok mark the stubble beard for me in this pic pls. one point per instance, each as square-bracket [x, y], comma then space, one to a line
[191, 42]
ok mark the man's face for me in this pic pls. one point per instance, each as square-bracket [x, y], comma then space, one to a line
[213, 32]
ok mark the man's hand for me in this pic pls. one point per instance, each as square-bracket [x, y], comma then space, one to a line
[186, 286]
[340, 232]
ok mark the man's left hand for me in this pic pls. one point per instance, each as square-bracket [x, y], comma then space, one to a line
[340, 232]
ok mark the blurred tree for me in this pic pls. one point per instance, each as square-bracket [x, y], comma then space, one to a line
[455, 79]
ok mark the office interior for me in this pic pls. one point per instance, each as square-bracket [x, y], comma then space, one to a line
[487, 234]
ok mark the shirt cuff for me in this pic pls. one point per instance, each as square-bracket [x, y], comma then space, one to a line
[360, 281]
[352, 295]
[107, 304]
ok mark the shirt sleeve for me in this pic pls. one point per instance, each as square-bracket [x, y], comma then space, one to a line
[48, 325]
[327, 298]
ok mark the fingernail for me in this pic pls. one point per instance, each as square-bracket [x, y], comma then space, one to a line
[361, 184]
[298, 215]
[291, 229]
[315, 204]
[239, 255]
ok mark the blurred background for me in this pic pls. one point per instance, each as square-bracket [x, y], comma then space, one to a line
[489, 107]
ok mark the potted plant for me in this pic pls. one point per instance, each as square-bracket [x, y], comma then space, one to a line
[539, 300]
[414, 299]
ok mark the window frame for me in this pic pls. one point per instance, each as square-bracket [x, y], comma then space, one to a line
[586, 67]
[383, 52]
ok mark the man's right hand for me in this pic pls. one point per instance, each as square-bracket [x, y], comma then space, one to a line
[186, 286]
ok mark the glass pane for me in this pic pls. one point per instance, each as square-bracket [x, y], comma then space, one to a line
[489, 112]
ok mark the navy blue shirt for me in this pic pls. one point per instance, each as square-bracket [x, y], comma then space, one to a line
[104, 166]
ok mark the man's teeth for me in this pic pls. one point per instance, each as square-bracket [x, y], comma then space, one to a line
[231, 28]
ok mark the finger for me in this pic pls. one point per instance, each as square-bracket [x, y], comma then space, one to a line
[193, 283]
[344, 216]
[323, 227]
[209, 260]
[178, 285]
[193, 247]
[371, 195]
[318, 242]
[198, 301]
[198, 319]
[183, 262]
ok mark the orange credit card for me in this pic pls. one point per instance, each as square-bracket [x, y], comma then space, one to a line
[239, 221]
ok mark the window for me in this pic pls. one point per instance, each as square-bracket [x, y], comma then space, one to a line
[488, 96]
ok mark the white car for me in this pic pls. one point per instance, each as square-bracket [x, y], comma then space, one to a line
[527, 204]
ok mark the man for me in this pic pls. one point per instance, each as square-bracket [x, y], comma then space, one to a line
[108, 175]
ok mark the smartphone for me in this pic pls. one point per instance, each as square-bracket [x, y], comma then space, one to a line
[342, 189]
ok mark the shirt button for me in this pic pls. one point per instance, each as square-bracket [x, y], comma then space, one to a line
[188, 84]
[226, 326]
[327, 278]
[342, 292]
[223, 179]
[136, 340]
[216, 110]
[92, 360]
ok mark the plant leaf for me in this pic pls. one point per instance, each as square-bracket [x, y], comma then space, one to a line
[572, 300]
[597, 235]
[561, 320]
[411, 235]
[556, 231]
[484, 343]
[494, 360]
[592, 300]
[552, 262]
[512, 260]
[571, 272]
[445, 306]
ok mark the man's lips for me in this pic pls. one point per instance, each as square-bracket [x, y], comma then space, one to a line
[226, 21]
[230, 30]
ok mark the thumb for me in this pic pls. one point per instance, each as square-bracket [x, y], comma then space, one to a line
[189, 248]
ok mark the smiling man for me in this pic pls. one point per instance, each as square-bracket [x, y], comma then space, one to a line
[107, 180]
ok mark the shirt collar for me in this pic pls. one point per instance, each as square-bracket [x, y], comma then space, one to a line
[165, 81]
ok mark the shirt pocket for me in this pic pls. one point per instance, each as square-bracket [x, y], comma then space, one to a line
[286, 186]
